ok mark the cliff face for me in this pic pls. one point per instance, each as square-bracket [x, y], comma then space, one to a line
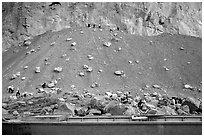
[22, 20]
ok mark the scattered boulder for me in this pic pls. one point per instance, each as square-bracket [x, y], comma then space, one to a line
[89, 69]
[90, 57]
[58, 69]
[73, 44]
[187, 86]
[52, 44]
[37, 70]
[107, 44]
[81, 74]
[27, 43]
[85, 66]
[156, 86]
[68, 39]
[23, 78]
[10, 89]
[119, 72]
[26, 67]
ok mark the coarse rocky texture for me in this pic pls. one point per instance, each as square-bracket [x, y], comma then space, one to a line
[21, 20]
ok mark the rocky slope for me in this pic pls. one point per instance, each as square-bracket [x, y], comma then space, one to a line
[22, 20]
[94, 68]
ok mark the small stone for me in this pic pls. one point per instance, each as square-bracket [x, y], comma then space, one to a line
[107, 44]
[130, 62]
[67, 59]
[81, 74]
[165, 59]
[73, 44]
[81, 32]
[32, 50]
[181, 48]
[95, 84]
[27, 43]
[156, 86]
[166, 69]
[58, 69]
[51, 85]
[100, 70]
[41, 90]
[15, 113]
[64, 55]
[18, 74]
[37, 70]
[10, 89]
[89, 69]
[119, 73]
[186, 86]
[188, 62]
[85, 66]
[52, 44]
[46, 59]
[137, 61]
[90, 57]
[39, 47]
[26, 67]
[68, 39]
[23, 78]
[109, 94]
[13, 76]
[28, 52]
[119, 49]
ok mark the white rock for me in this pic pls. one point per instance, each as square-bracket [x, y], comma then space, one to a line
[85, 66]
[68, 39]
[23, 78]
[58, 69]
[119, 72]
[166, 69]
[89, 69]
[25, 67]
[18, 74]
[137, 61]
[109, 94]
[13, 76]
[156, 86]
[81, 74]
[27, 43]
[130, 62]
[73, 44]
[188, 86]
[37, 70]
[107, 44]
[52, 44]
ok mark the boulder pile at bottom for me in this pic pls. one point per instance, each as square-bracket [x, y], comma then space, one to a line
[79, 104]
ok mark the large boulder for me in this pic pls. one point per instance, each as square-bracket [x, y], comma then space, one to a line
[65, 108]
[81, 111]
[192, 107]
[131, 111]
[165, 110]
[98, 102]
[115, 108]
